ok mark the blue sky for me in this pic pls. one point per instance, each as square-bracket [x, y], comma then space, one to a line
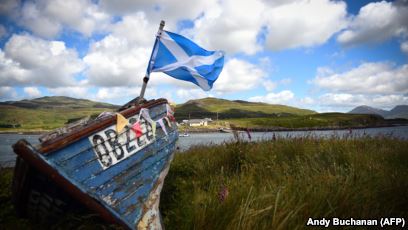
[322, 55]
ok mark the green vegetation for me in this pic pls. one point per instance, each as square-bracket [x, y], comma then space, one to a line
[334, 120]
[47, 113]
[8, 219]
[268, 185]
[280, 184]
[209, 107]
[42, 119]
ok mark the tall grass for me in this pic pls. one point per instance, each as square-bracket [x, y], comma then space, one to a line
[268, 185]
[280, 184]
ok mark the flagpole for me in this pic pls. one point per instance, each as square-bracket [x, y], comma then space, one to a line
[153, 56]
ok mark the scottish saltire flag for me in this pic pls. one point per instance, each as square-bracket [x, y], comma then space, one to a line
[181, 58]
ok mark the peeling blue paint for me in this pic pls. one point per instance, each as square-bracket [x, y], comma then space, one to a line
[124, 187]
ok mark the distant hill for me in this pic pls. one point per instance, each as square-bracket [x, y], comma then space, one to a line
[58, 102]
[47, 113]
[400, 111]
[226, 109]
[364, 109]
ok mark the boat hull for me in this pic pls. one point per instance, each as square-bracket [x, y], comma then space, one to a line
[116, 175]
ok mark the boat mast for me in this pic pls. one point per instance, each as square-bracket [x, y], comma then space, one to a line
[146, 78]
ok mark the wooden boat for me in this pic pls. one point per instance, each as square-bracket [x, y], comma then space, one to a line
[225, 130]
[117, 175]
[185, 134]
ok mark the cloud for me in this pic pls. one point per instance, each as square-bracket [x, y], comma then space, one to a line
[70, 91]
[404, 47]
[239, 75]
[307, 101]
[191, 94]
[282, 97]
[7, 93]
[368, 78]
[27, 60]
[376, 22]
[269, 85]
[121, 95]
[348, 101]
[32, 92]
[303, 23]
[47, 18]
[170, 11]
[284, 24]
[3, 31]
[120, 59]
[230, 25]
[9, 7]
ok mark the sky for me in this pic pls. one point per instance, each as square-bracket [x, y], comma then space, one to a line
[317, 54]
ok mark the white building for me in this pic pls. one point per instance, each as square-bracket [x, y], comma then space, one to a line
[197, 122]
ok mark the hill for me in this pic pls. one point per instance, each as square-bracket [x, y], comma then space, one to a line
[226, 109]
[58, 102]
[400, 111]
[47, 113]
[364, 109]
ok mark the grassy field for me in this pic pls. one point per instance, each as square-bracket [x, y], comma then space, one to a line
[280, 184]
[311, 120]
[47, 113]
[213, 107]
[42, 119]
[271, 185]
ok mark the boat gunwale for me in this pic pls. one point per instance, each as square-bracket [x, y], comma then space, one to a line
[69, 138]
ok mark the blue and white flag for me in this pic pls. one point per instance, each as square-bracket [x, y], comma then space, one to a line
[181, 58]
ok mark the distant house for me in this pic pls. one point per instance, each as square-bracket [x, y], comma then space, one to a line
[198, 122]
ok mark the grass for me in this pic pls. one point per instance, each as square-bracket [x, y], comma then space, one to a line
[271, 184]
[42, 119]
[222, 108]
[310, 121]
[221, 105]
[280, 184]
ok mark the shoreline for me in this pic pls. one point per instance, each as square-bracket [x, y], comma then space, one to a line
[284, 129]
[255, 129]
[26, 132]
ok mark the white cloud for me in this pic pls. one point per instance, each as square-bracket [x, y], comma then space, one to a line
[348, 101]
[238, 75]
[237, 26]
[376, 22]
[368, 78]
[170, 11]
[404, 47]
[230, 25]
[282, 97]
[191, 94]
[27, 60]
[7, 93]
[120, 59]
[121, 95]
[307, 101]
[70, 91]
[32, 92]
[47, 18]
[304, 23]
[269, 85]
